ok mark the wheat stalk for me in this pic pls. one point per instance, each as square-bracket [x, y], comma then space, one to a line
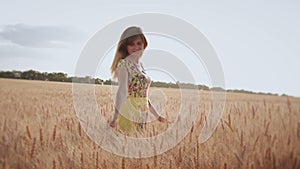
[4, 125]
[54, 164]
[198, 153]
[33, 149]
[267, 128]
[295, 163]
[28, 132]
[289, 104]
[97, 160]
[123, 163]
[41, 137]
[289, 140]
[255, 143]
[155, 157]
[180, 155]
[242, 138]
[105, 164]
[274, 160]
[54, 132]
[298, 130]
[81, 160]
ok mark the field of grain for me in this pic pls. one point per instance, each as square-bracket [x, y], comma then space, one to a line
[39, 129]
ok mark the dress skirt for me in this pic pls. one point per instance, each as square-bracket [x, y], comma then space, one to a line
[133, 115]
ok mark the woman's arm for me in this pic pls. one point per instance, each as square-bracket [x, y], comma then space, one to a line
[155, 113]
[122, 92]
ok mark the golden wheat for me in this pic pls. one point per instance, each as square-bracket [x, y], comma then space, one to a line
[40, 129]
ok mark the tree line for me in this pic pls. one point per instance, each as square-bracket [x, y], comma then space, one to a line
[63, 77]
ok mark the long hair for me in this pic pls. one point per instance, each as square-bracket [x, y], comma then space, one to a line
[127, 37]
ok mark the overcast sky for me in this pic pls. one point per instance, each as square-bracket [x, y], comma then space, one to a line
[257, 42]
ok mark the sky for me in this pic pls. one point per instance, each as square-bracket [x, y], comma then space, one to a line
[257, 42]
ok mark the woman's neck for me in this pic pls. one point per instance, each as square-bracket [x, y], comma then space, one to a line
[134, 59]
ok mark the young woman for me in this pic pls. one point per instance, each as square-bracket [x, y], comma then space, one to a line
[132, 103]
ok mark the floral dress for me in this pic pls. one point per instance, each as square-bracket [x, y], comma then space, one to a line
[134, 110]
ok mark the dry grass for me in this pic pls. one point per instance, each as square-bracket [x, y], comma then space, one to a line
[39, 129]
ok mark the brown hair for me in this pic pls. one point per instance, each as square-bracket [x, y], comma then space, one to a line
[127, 37]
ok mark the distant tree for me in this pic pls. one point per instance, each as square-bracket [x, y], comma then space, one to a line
[30, 74]
[107, 82]
[203, 87]
[17, 74]
[6, 74]
[186, 85]
[69, 79]
[98, 81]
[217, 89]
[61, 77]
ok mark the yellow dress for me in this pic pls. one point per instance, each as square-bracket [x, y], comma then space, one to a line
[134, 111]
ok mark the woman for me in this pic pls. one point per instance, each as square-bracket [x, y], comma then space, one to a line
[132, 103]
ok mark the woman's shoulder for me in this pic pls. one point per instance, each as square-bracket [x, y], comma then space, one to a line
[122, 63]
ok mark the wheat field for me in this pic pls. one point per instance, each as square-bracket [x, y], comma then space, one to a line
[39, 129]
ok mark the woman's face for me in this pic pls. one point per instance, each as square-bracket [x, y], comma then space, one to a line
[136, 47]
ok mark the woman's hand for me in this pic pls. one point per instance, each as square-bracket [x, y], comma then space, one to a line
[161, 119]
[113, 123]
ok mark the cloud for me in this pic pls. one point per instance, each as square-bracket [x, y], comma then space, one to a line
[40, 36]
[12, 50]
